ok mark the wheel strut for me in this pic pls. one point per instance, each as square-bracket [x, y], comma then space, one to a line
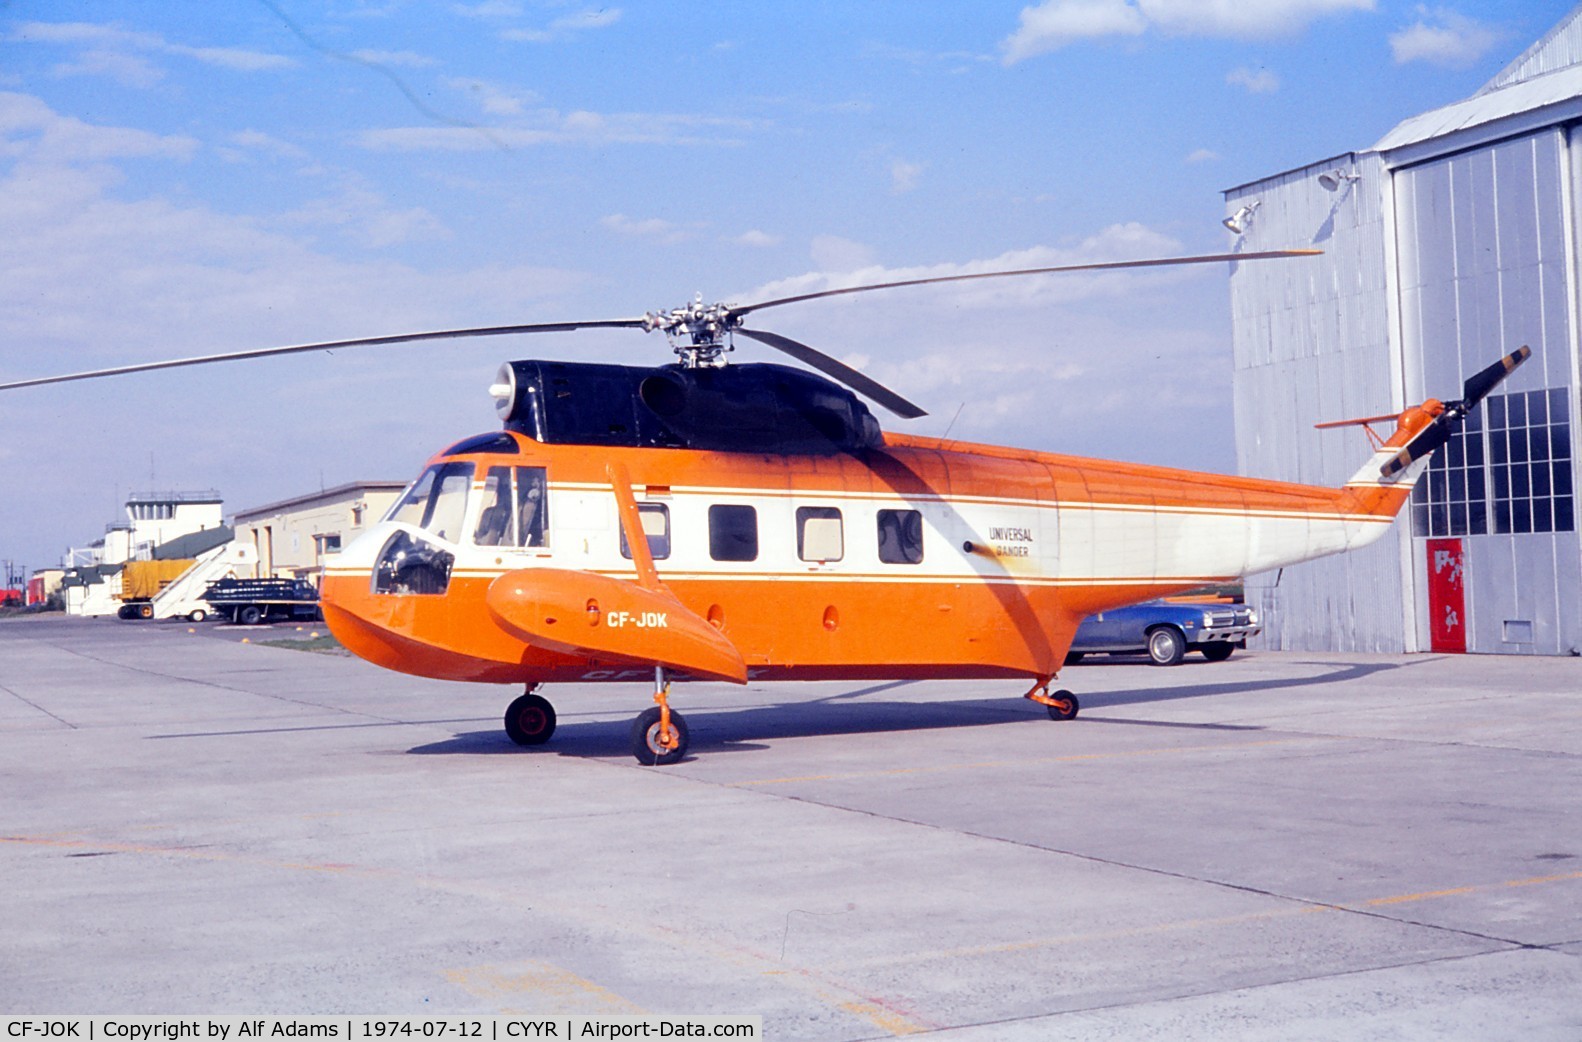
[1062, 705]
[659, 735]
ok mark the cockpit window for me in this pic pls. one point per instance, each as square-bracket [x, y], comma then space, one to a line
[515, 508]
[437, 501]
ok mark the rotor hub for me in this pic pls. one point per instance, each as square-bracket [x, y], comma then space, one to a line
[699, 333]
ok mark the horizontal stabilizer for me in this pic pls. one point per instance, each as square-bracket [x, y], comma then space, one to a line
[1361, 421]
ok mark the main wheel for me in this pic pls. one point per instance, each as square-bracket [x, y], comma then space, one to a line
[1217, 650]
[530, 720]
[647, 747]
[1166, 646]
[145, 611]
[1067, 709]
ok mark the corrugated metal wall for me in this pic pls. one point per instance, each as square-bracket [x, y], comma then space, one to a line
[1485, 267]
[1311, 343]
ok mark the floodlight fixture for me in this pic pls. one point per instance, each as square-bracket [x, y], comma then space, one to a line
[1332, 180]
[1237, 222]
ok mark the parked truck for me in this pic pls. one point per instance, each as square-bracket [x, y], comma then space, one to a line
[175, 588]
[251, 601]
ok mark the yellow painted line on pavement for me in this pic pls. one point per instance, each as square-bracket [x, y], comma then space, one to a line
[540, 987]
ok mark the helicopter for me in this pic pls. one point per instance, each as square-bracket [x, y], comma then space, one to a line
[701, 520]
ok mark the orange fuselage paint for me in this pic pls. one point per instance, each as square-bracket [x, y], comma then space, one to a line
[1016, 547]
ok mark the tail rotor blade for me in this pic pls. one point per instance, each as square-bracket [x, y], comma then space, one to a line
[1476, 388]
[1479, 384]
[1431, 438]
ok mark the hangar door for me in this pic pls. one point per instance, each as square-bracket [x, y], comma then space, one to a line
[1482, 245]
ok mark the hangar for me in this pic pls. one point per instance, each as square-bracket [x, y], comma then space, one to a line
[1453, 240]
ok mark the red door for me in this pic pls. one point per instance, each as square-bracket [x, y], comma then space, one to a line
[1447, 600]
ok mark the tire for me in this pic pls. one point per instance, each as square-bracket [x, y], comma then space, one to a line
[250, 615]
[1166, 646]
[1067, 711]
[530, 720]
[1217, 650]
[145, 611]
[645, 739]
[197, 615]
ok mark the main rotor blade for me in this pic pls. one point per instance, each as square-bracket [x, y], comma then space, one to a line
[331, 345]
[1102, 266]
[863, 385]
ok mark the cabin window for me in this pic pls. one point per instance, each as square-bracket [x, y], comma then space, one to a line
[901, 536]
[820, 534]
[437, 501]
[733, 533]
[655, 518]
[514, 508]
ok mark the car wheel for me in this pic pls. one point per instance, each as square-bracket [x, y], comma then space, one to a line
[1166, 646]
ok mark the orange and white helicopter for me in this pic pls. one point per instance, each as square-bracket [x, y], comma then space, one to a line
[707, 521]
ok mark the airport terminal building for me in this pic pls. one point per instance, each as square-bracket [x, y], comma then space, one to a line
[1452, 241]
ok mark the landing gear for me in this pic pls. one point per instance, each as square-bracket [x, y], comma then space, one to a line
[1062, 705]
[530, 720]
[659, 735]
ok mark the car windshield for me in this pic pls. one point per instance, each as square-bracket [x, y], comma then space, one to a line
[437, 501]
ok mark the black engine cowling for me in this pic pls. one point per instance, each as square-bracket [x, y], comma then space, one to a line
[756, 407]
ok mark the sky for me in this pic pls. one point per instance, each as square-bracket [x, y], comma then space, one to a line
[188, 178]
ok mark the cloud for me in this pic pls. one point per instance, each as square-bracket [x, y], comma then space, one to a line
[566, 26]
[35, 135]
[754, 237]
[550, 127]
[653, 228]
[1047, 361]
[843, 263]
[834, 253]
[268, 144]
[366, 217]
[1056, 23]
[129, 70]
[495, 100]
[95, 274]
[404, 59]
[1203, 155]
[490, 9]
[1444, 38]
[107, 46]
[904, 175]
[1255, 81]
